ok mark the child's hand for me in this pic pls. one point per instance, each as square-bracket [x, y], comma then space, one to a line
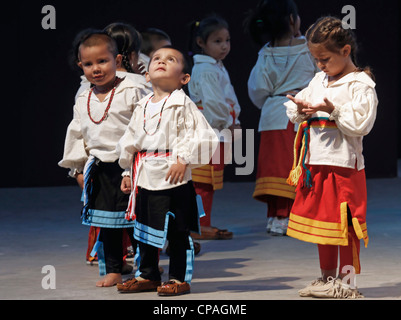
[126, 185]
[176, 172]
[302, 105]
[325, 106]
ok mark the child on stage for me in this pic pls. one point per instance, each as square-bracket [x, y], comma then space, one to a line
[101, 114]
[210, 88]
[284, 66]
[336, 110]
[166, 138]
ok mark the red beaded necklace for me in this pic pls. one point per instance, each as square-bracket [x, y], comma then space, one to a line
[160, 116]
[106, 111]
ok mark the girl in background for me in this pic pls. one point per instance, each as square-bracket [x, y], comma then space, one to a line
[284, 66]
[337, 109]
[210, 88]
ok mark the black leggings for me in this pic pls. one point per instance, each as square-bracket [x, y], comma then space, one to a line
[112, 239]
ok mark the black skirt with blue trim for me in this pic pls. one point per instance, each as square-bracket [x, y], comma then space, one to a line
[106, 204]
[156, 209]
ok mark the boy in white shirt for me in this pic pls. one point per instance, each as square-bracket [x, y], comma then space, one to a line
[167, 136]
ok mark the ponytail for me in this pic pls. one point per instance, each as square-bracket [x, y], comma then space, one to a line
[128, 40]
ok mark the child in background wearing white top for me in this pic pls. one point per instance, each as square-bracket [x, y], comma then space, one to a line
[101, 115]
[284, 66]
[166, 138]
[152, 39]
[337, 109]
[210, 88]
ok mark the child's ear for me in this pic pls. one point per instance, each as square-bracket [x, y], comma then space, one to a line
[346, 50]
[119, 60]
[199, 42]
[292, 20]
[79, 64]
[185, 79]
[147, 77]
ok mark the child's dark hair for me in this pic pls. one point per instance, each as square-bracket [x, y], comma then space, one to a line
[203, 29]
[149, 35]
[96, 38]
[74, 52]
[329, 32]
[270, 20]
[128, 40]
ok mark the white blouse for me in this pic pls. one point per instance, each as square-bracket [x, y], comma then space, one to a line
[183, 131]
[85, 138]
[355, 101]
[278, 71]
[210, 88]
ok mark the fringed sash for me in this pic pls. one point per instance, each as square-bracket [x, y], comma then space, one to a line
[136, 167]
[300, 174]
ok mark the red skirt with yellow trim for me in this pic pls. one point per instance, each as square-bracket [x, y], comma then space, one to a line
[212, 173]
[275, 161]
[319, 213]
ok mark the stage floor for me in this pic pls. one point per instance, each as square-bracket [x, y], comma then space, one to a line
[41, 227]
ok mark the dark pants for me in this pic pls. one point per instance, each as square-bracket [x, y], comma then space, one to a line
[178, 245]
[112, 239]
[151, 210]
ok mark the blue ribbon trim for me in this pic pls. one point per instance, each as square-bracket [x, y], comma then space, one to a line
[151, 236]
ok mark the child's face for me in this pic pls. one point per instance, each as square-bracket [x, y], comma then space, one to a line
[166, 69]
[99, 65]
[217, 44]
[332, 63]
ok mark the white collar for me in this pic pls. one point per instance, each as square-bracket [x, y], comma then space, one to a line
[359, 76]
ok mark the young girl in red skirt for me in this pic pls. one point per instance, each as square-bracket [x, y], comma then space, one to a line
[336, 110]
[284, 66]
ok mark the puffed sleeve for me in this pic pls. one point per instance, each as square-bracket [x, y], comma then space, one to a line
[215, 109]
[75, 154]
[197, 141]
[356, 118]
[260, 86]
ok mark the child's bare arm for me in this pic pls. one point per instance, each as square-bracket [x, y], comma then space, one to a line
[80, 180]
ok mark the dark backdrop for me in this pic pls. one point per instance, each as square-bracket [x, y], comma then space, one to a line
[35, 119]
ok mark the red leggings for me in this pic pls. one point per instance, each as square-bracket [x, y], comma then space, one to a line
[206, 192]
[349, 255]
